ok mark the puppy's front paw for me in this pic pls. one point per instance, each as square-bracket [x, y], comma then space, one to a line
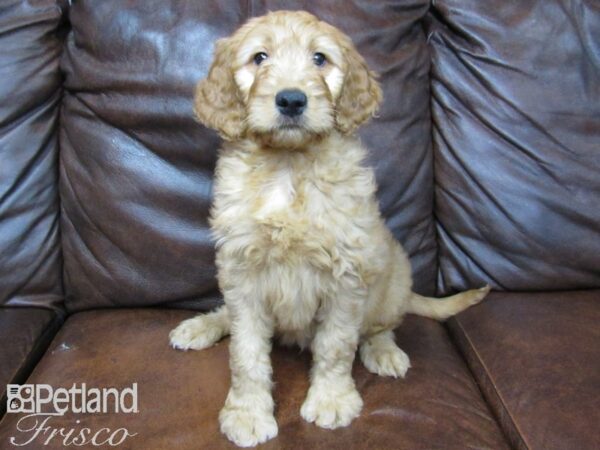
[196, 333]
[331, 407]
[385, 360]
[247, 427]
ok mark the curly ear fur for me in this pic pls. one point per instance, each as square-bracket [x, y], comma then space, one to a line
[217, 104]
[361, 94]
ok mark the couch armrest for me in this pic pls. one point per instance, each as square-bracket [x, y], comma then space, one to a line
[25, 334]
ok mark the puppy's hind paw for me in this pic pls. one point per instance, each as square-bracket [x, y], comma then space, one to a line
[385, 360]
[197, 333]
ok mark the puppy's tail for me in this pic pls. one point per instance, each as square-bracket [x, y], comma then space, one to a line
[443, 308]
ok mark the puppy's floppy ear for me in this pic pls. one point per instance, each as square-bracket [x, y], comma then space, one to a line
[361, 94]
[217, 103]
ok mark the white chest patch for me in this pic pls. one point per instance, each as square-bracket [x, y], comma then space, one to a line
[277, 195]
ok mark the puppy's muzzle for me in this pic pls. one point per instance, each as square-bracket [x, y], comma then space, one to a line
[291, 102]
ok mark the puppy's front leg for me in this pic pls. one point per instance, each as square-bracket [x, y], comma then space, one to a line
[247, 417]
[332, 400]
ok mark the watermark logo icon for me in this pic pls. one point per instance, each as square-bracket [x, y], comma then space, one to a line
[20, 398]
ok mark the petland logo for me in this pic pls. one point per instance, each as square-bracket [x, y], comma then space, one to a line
[42, 403]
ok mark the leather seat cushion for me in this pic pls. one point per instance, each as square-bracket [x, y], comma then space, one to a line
[180, 393]
[537, 358]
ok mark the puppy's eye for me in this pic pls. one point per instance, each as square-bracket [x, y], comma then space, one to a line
[319, 59]
[260, 57]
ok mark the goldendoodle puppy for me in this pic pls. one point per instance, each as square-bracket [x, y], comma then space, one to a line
[302, 251]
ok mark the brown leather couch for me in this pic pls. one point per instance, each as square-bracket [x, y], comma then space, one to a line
[487, 154]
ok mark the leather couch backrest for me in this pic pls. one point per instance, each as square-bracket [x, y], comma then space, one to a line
[30, 257]
[514, 127]
[136, 169]
[516, 119]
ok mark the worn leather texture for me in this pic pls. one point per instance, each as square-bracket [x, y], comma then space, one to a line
[536, 357]
[25, 333]
[180, 393]
[136, 169]
[516, 120]
[30, 91]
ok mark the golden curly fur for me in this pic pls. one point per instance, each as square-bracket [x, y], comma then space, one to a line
[302, 251]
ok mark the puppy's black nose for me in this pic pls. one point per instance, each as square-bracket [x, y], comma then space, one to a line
[291, 102]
